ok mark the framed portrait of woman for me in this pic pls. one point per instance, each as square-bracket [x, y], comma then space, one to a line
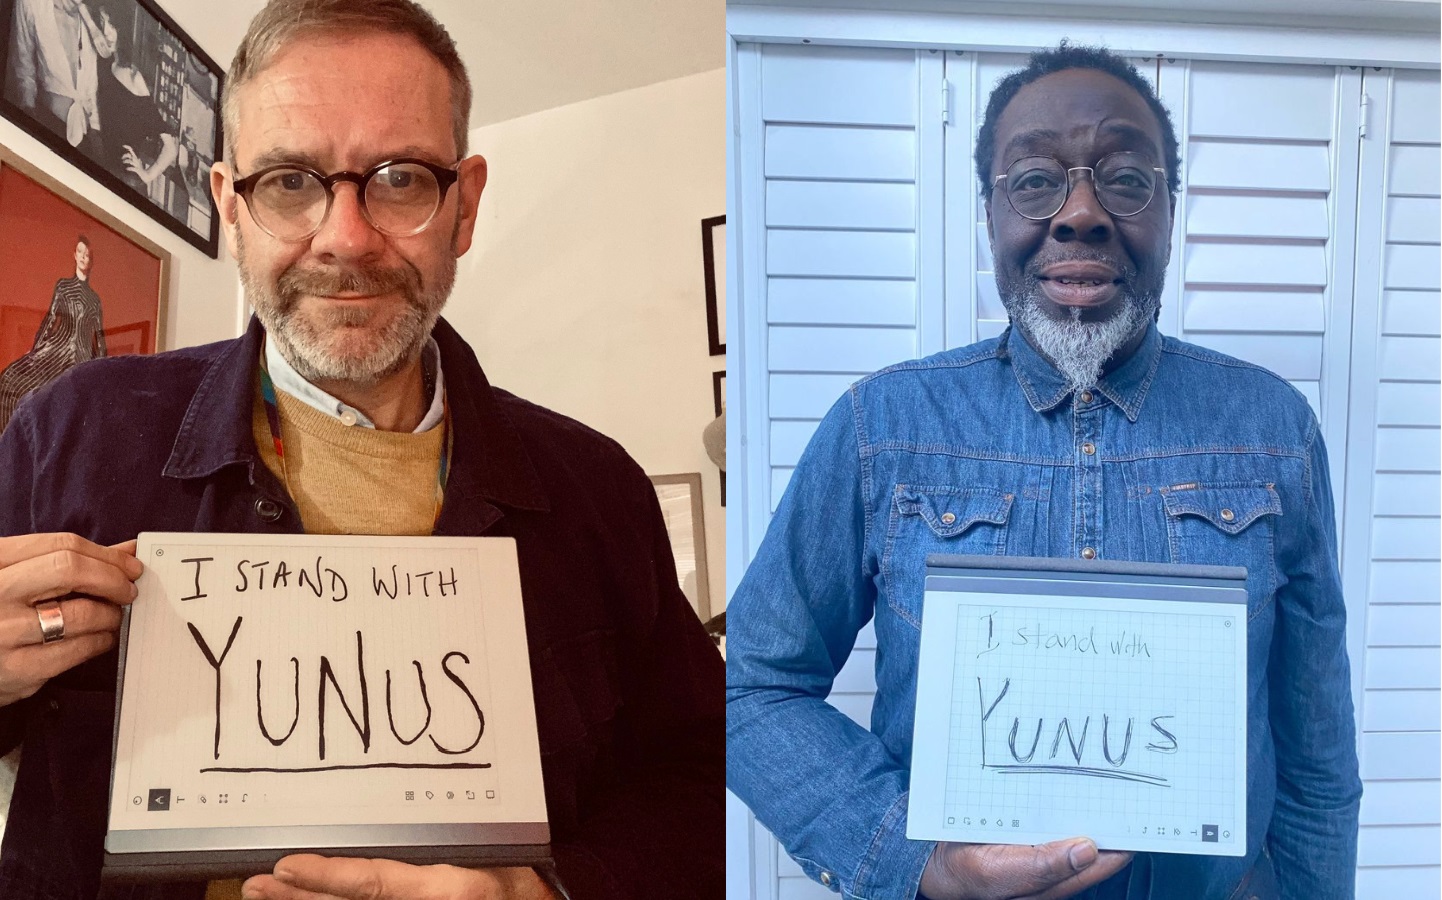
[121, 92]
[77, 285]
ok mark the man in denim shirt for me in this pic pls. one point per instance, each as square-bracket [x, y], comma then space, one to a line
[1079, 433]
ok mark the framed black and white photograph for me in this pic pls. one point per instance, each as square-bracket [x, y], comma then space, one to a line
[119, 91]
[713, 265]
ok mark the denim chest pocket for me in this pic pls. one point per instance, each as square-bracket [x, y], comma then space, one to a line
[934, 519]
[1225, 524]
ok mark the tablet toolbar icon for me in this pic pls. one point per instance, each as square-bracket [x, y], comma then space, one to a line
[159, 800]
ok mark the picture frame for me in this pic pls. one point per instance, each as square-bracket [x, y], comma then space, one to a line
[718, 402]
[684, 514]
[713, 265]
[718, 392]
[132, 338]
[117, 306]
[142, 114]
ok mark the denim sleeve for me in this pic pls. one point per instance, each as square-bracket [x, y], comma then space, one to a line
[1313, 836]
[826, 787]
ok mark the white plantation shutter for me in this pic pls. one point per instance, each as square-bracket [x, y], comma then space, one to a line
[1392, 533]
[1265, 226]
[846, 236]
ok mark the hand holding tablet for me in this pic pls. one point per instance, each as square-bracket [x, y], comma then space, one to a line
[1002, 871]
[44, 628]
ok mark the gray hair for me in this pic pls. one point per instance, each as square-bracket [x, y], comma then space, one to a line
[283, 21]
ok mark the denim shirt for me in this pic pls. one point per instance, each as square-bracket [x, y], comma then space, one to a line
[1178, 455]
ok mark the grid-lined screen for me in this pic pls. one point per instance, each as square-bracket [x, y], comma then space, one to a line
[1040, 718]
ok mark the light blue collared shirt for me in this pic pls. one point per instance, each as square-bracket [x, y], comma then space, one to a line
[285, 378]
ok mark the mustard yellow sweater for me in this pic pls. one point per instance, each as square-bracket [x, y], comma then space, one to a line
[349, 479]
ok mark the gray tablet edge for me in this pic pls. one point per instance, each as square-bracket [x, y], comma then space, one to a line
[1021, 566]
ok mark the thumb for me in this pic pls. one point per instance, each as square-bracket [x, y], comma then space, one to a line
[1017, 871]
[1056, 862]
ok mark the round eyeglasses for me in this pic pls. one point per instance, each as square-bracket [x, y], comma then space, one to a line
[1038, 186]
[398, 197]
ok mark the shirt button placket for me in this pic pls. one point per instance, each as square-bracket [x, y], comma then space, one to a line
[1088, 481]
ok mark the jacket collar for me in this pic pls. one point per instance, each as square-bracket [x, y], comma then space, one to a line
[1045, 388]
[490, 461]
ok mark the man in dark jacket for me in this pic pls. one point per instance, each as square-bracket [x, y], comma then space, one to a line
[347, 123]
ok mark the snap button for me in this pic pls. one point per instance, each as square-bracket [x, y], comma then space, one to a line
[1089, 448]
[267, 509]
[1086, 396]
[826, 878]
[1228, 515]
[1088, 553]
[948, 518]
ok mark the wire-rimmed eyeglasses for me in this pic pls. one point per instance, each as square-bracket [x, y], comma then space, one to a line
[1038, 186]
[398, 197]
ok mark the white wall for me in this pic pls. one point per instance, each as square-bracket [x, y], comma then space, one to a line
[583, 292]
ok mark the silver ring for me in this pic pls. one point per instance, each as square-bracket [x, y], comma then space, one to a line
[52, 621]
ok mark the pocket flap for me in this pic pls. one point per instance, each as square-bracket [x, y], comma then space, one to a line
[1230, 507]
[951, 511]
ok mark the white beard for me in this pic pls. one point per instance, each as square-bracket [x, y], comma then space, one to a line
[1079, 349]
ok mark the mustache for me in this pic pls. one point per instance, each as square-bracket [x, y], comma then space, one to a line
[294, 283]
[1034, 266]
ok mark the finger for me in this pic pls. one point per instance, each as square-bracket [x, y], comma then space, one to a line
[23, 671]
[65, 572]
[127, 547]
[1108, 863]
[380, 879]
[20, 626]
[28, 546]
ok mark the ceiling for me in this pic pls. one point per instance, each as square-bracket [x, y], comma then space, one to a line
[1403, 15]
[528, 55]
[532, 55]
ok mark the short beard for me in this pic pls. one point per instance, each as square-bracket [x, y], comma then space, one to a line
[1077, 348]
[318, 350]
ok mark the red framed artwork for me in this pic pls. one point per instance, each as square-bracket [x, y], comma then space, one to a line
[78, 283]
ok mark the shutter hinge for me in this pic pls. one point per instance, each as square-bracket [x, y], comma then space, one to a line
[1362, 115]
[945, 102]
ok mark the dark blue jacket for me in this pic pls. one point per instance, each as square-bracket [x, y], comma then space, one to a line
[627, 685]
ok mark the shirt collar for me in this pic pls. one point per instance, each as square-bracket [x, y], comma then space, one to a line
[490, 462]
[285, 378]
[1045, 388]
